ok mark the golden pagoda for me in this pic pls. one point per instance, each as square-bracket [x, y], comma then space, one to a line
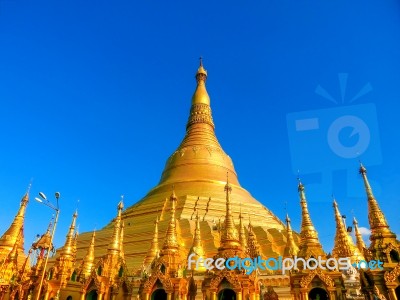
[197, 171]
[143, 253]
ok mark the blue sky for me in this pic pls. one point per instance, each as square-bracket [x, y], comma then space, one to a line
[95, 96]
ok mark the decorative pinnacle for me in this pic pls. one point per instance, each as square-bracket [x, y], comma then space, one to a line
[376, 218]
[171, 240]
[89, 258]
[230, 236]
[114, 246]
[343, 246]
[291, 248]
[287, 219]
[201, 73]
[363, 172]
[309, 243]
[68, 246]
[359, 240]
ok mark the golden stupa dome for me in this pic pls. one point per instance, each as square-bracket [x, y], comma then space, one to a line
[197, 172]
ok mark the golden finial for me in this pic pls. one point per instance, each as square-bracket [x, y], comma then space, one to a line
[344, 246]
[242, 233]
[253, 248]
[9, 237]
[201, 70]
[368, 189]
[291, 248]
[229, 237]
[309, 242]
[377, 221]
[171, 240]
[154, 250]
[68, 246]
[197, 247]
[121, 239]
[89, 258]
[359, 240]
[200, 96]
[114, 246]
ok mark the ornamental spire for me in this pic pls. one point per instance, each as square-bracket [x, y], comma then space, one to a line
[309, 242]
[344, 246]
[154, 250]
[376, 218]
[66, 259]
[89, 258]
[68, 246]
[359, 240]
[253, 248]
[114, 246]
[9, 266]
[242, 233]
[121, 239]
[229, 238]
[171, 240]
[9, 238]
[197, 247]
[291, 248]
[200, 111]
[200, 95]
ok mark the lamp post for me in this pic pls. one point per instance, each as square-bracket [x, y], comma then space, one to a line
[43, 199]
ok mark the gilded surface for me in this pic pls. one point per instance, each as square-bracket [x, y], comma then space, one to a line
[306, 280]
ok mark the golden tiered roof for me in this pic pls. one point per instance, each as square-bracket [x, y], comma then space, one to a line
[13, 238]
[309, 242]
[197, 170]
[344, 245]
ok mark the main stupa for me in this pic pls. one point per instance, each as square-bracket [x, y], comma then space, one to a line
[197, 172]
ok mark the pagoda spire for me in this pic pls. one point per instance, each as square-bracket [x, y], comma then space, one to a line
[66, 259]
[200, 111]
[171, 239]
[9, 266]
[199, 145]
[359, 240]
[114, 246]
[377, 221]
[68, 249]
[291, 249]
[89, 258]
[121, 239]
[344, 246]
[253, 248]
[8, 239]
[242, 233]
[309, 242]
[229, 237]
[154, 250]
[197, 247]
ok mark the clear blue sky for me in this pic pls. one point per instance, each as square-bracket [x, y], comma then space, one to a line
[95, 96]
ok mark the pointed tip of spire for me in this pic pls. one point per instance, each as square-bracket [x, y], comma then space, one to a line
[300, 185]
[201, 69]
[228, 187]
[173, 195]
[362, 170]
[334, 203]
[120, 205]
[200, 96]
[287, 218]
[355, 222]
